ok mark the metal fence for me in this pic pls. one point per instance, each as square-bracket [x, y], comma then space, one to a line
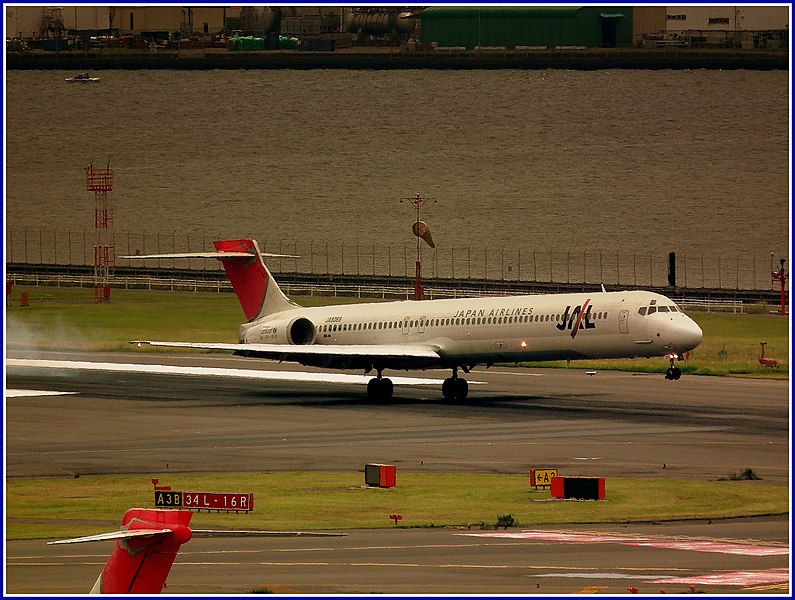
[722, 271]
[383, 291]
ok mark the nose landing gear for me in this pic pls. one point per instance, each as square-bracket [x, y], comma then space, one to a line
[673, 373]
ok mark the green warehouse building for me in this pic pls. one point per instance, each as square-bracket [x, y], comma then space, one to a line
[527, 26]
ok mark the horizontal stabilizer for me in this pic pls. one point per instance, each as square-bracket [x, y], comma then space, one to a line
[218, 255]
[114, 535]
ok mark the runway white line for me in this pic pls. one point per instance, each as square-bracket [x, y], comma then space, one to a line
[31, 393]
[215, 372]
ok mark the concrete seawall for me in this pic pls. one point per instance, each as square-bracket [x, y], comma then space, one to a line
[590, 59]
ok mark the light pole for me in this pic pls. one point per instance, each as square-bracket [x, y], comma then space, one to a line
[420, 230]
[781, 276]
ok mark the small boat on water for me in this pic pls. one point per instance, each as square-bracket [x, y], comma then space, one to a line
[83, 78]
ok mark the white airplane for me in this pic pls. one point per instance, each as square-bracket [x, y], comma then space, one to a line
[454, 334]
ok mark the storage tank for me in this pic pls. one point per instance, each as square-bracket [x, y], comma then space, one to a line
[258, 18]
[379, 23]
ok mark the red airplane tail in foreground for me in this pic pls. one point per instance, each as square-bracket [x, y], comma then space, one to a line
[147, 544]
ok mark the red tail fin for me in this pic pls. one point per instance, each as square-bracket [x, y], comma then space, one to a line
[140, 565]
[255, 288]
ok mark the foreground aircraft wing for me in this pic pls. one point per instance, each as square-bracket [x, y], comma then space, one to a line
[224, 255]
[325, 355]
[115, 535]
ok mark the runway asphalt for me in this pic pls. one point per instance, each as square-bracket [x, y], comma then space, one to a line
[605, 424]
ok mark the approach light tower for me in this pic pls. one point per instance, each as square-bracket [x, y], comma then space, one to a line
[100, 181]
[420, 230]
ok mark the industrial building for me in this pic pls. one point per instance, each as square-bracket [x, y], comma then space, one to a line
[527, 26]
[31, 22]
[748, 27]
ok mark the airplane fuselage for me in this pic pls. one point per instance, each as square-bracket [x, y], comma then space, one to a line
[496, 329]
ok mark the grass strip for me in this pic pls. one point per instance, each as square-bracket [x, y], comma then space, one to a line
[291, 501]
[68, 319]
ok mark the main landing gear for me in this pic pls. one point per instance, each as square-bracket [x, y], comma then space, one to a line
[380, 388]
[455, 387]
[672, 372]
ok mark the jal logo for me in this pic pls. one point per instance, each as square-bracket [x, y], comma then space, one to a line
[576, 318]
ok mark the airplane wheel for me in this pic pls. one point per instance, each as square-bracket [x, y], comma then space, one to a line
[448, 389]
[380, 389]
[676, 373]
[386, 389]
[461, 388]
[669, 373]
[455, 388]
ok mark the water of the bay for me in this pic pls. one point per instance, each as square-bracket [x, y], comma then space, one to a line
[693, 161]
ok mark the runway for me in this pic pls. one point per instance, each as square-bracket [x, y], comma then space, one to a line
[605, 424]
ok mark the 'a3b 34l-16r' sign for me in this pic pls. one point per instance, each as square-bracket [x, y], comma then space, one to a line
[204, 501]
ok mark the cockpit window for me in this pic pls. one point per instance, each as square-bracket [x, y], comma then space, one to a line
[652, 309]
[642, 311]
[653, 302]
[673, 309]
[663, 309]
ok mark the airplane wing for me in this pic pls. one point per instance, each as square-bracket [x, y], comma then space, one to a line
[353, 356]
[114, 535]
[225, 255]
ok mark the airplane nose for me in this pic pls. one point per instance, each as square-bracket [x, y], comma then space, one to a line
[689, 335]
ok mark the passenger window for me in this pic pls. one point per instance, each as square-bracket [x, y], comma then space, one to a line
[642, 311]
